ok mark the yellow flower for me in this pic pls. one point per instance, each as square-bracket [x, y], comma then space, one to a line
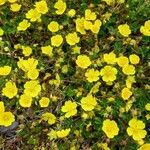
[124, 30]
[128, 70]
[96, 26]
[95, 88]
[85, 115]
[136, 129]
[71, 13]
[134, 59]
[28, 64]
[53, 26]
[56, 40]
[147, 106]
[111, 99]
[44, 102]
[106, 16]
[23, 25]
[110, 128]
[52, 135]
[89, 15]
[69, 108]
[60, 6]
[88, 103]
[146, 28]
[32, 88]
[15, 7]
[126, 93]
[63, 133]
[92, 75]
[108, 73]
[83, 61]
[129, 81]
[33, 74]
[6, 119]
[25, 100]
[64, 69]
[88, 25]
[76, 49]
[110, 58]
[145, 147]
[72, 38]
[5, 70]
[80, 25]
[27, 51]
[147, 116]
[48, 117]
[33, 15]
[2, 107]
[122, 61]
[41, 7]
[128, 105]
[2, 2]
[48, 50]
[109, 2]
[12, 1]
[10, 90]
[103, 146]
[57, 81]
[17, 46]
[1, 32]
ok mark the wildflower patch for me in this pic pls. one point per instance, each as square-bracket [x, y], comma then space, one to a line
[74, 75]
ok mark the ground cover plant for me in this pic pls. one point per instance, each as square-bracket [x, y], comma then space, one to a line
[75, 74]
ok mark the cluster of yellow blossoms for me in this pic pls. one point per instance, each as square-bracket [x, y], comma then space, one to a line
[14, 6]
[33, 15]
[89, 22]
[135, 129]
[104, 72]
[29, 67]
[109, 72]
[125, 30]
